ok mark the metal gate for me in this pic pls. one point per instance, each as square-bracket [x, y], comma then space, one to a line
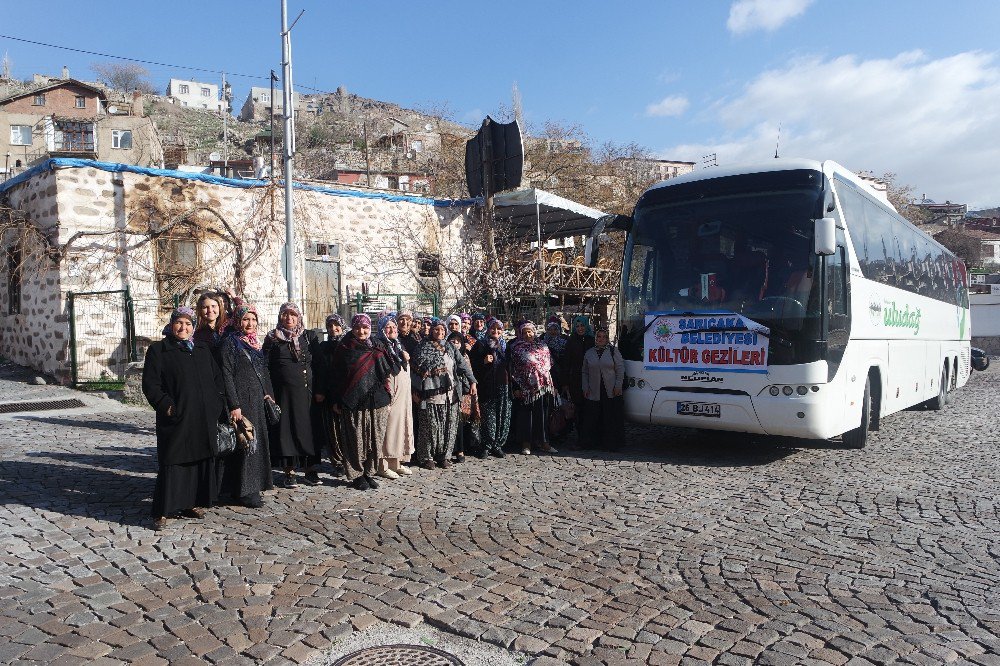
[101, 337]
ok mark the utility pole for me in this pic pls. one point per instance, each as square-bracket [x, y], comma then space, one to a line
[288, 144]
[225, 125]
[270, 113]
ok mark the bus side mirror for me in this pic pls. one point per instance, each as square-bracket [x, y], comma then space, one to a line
[825, 235]
[604, 223]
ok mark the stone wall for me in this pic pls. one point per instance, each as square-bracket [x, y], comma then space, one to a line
[106, 224]
[36, 332]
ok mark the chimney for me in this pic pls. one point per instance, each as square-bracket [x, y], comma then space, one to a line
[65, 72]
[138, 109]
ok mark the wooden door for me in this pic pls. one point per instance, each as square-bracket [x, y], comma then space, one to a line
[322, 282]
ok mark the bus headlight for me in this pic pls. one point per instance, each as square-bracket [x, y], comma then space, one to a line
[787, 390]
[802, 390]
[641, 383]
[774, 390]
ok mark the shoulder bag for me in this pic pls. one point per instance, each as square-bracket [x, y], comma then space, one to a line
[225, 440]
[271, 409]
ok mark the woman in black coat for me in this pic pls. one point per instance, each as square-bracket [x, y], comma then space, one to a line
[327, 426]
[248, 384]
[182, 382]
[289, 360]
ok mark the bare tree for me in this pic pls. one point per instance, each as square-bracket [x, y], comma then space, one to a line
[968, 247]
[124, 76]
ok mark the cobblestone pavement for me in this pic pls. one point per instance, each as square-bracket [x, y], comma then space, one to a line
[682, 548]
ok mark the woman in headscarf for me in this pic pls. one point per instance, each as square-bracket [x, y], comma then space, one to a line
[437, 388]
[398, 445]
[410, 330]
[556, 342]
[248, 384]
[212, 320]
[489, 363]
[603, 381]
[530, 368]
[289, 360]
[580, 340]
[183, 383]
[325, 419]
[478, 327]
[361, 396]
[454, 323]
[467, 437]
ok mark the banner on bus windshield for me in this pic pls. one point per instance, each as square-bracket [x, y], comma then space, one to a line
[720, 341]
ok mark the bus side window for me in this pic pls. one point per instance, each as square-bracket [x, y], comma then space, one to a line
[837, 280]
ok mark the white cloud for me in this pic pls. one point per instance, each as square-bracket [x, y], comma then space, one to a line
[674, 105]
[749, 15]
[934, 123]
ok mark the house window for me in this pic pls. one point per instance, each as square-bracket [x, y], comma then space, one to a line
[20, 135]
[121, 139]
[417, 146]
[393, 182]
[184, 89]
[39, 100]
[265, 97]
[74, 136]
[205, 92]
[15, 276]
[81, 102]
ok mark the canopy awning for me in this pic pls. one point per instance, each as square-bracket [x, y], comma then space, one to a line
[538, 215]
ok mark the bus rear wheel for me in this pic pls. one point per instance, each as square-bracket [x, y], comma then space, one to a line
[857, 438]
[941, 399]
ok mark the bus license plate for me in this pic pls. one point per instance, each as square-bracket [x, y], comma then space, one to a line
[712, 409]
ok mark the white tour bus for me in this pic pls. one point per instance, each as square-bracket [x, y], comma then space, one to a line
[784, 298]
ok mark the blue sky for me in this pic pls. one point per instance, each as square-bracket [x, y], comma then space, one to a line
[911, 87]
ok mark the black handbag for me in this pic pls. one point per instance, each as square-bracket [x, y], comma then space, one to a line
[225, 440]
[271, 409]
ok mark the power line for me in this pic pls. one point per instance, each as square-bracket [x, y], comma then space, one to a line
[118, 57]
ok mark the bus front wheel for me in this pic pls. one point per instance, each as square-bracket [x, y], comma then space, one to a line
[857, 438]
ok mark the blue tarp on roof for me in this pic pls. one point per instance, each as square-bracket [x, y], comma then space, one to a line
[72, 163]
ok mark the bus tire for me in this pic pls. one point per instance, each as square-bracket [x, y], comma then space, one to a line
[857, 438]
[938, 402]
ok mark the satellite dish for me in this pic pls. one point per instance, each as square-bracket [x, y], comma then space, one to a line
[428, 127]
[112, 110]
[215, 156]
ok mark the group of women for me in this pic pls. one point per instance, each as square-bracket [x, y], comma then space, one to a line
[376, 397]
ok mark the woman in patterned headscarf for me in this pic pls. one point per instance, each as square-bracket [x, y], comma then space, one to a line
[438, 390]
[248, 385]
[361, 397]
[530, 367]
[182, 382]
[489, 363]
[289, 360]
[398, 444]
[478, 327]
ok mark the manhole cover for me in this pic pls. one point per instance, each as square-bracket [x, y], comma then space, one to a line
[38, 406]
[399, 655]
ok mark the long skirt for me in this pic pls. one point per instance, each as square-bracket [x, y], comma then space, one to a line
[245, 473]
[399, 442]
[364, 432]
[333, 423]
[184, 486]
[604, 422]
[495, 425]
[438, 428]
[531, 421]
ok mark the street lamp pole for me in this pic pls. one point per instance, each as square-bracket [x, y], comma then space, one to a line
[6, 167]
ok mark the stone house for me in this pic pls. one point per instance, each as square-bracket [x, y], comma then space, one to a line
[71, 228]
[70, 118]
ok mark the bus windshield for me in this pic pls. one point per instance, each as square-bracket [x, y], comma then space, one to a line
[715, 249]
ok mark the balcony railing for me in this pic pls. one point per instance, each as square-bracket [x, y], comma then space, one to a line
[571, 278]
